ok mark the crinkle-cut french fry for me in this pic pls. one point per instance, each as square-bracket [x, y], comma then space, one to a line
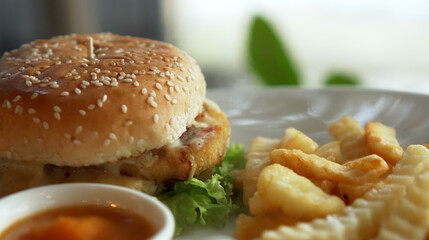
[297, 196]
[251, 227]
[382, 141]
[295, 139]
[326, 185]
[258, 206]
[369, 163]
[358, 171]
[363, 218]
[352, 137]
[410, 218]
[351, 192]
[258, 157]
[330, 151]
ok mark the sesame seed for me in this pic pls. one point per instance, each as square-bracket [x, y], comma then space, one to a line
[128, 80]
[86, 83]
[144, 91]
[136, 84]
[82, 112]
[170, 84]
[78, 129]
[90, 48]
[158, 86]
[104, 98]
[155, 118]
[128, 123]
[16, 99]
[107, 142]
[7, 104]
[180, 78]
[65, 94]
[174, 101]
[167, 97]
[31, 111]
[171, 90]
[99, 102]
[124, 108]
[113, 136]
[28, 83]
[176, 88]
[77, 142]
[36, 120]
[91, 106]
[34, 95]
[57, 109]
[77, 91]
[67, 135]
[46, 125]
[18, 109]
[57, 115]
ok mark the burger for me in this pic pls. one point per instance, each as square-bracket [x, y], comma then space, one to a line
[108, 109]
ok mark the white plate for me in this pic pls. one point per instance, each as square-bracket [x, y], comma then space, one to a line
[268, 112]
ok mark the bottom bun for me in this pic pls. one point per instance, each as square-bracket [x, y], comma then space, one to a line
[200, 148]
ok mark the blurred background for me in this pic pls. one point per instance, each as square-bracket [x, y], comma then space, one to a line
[373, 43]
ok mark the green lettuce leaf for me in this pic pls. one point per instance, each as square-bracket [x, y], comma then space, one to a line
[208, 202]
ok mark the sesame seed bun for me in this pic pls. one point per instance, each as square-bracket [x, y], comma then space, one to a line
[82, 100]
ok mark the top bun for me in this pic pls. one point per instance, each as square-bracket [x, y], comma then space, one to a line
[83, 100]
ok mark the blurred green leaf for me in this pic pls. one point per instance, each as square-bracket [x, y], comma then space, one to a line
[340, 78]
[267, 56]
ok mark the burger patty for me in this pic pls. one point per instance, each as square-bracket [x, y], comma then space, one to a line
[200, 148]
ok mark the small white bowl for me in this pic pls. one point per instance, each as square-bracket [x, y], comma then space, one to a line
[29, 202]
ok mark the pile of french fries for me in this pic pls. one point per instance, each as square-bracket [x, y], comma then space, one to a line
[360, 186]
